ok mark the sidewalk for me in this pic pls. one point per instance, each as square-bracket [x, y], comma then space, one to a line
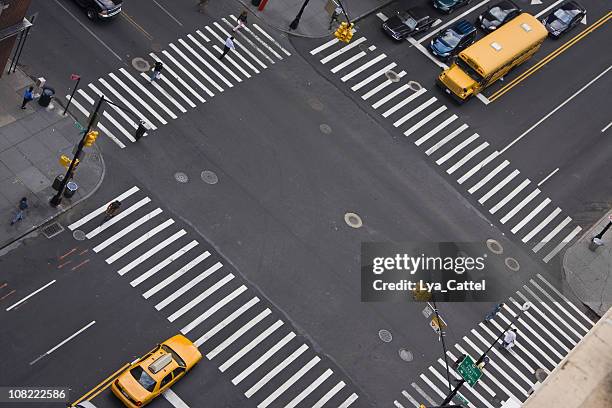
[31, 142]
[589, 273]
[315, 19]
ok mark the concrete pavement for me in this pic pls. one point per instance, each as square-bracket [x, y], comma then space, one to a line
[588, 272]
[315, 19]
[31, 142]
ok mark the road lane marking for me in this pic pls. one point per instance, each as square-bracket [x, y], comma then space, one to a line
[308, 390]
[348, 62]
[238, 312]
[541, 225]
[606, 128]
[552, 234]
[168, 13]
[180, 272]
[242, 48]
[137, 26]
[89, 31]
[236, 53]
[101, 126]
[150, 252]
[263, 358]
[104, 384]
[467, 157]
[519, 345]
[409, 398]
[126, 230]
[116, 109]
[59, 258]
[117, 218]
[128, 103]
[403, 103]
[324, 46]
[212, 57]
[477, 167]
[146, 92]
[197, 68]
[200, 297]
[510, 196]
[382, 17]
[424, 51]
[514, 354]
[520, 206]
[558, 304]
[363, 67]
[372, 77]
[557, 328]
[64, 341]
[550, 57]
[423, 121]
[30, 295]
[290, 381]
[459, 17]
[163, 91]
[237, 334]
[105, 114]
[488, 177]
[567, 301]
[179, 79]
[530, 216]
[329, 395]
[380, 87]
[213, 309]
[349, 401]
[547, 8]
[443, 381]
[562, 244]
[262, 336]
[556, 315]
[148, 235]
[547, 177]
[179, 292]
[423, 393]
[186, 72]
[435, 130]
[74, 268]
[498, 186]
[442, 141]
[174, 399]
[269, 37]
[456, 149]
[248, 40]
[277, 369]
[412, 113]
[342, 50]
[432, 385]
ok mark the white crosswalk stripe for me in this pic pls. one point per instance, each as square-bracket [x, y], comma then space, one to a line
[176, 275]
[100, 126]
[467, 151]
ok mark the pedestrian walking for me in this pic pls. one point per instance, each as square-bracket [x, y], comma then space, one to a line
[335, 17]
[28, 95]
[20, 215]
[229, 45]
[493, 312]
[157, 69]
[111, 211]
[242, 20]
[509, 339]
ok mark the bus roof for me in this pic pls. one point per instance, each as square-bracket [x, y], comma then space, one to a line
[502, 45]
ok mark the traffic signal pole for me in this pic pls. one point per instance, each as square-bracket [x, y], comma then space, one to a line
[93, 119]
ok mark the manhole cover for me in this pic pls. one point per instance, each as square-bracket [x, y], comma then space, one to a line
[52, 230]
[209, 177]
[414, 86]
[315, 104]
[495, 247]
[181, 177]
[141, 64]
[78, 235]
[325, 128]
[353, 220]
[541, 374]
[512, 264]
[392, 76]
[406, 355]
[157, 47]
[385, 335]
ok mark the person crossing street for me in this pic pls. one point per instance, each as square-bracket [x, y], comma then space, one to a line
[493, 312]
[157, 69]
[509, 339]
[111, 211]
[242, 21]
[229, 45]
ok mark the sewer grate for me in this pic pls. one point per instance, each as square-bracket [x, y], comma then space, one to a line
[79, 235]
[406, 355]
[141, 64]
[52, 230]
[385, 335]
[392, 76]
[209, 177]
[353, 220]
[325, 128]
[181, 177]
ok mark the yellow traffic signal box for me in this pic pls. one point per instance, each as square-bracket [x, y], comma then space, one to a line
[65, 161]
[91, 137]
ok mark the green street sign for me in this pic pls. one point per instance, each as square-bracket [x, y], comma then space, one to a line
[470, 373]
[79, 126]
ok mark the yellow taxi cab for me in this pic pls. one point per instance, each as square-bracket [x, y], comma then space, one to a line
[156, 371]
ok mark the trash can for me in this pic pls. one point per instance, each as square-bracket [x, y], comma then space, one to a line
[46, 96]
[71, 188]
[57, 182]
[255, 2]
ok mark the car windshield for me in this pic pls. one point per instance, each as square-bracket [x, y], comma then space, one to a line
[499, 13]
[408, 20]
[564, 16]
[450, 38]
[469, 70]
[176, 357]
[143, 378]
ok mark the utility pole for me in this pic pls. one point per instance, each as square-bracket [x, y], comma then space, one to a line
[524, 308]
[296, 21]
[78, 80]
[93, 120]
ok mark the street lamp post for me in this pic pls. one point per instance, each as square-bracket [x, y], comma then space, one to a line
[524, 308]
[78, 80]
[93, 119]
[296, 21]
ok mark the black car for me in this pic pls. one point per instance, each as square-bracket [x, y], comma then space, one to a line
[405, 23]
[563, 18]
[447, 6]
[453, 40]
[497, 15]
[101, 9]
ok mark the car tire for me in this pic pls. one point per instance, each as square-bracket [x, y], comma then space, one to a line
[91, 14]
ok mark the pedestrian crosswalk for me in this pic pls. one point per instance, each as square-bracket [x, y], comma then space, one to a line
[450, 143]
[192, 74]
[547, 331]
[193, 287]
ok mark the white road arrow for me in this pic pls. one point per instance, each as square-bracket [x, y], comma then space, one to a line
[583, 21]
[435, 23]
[534, 2]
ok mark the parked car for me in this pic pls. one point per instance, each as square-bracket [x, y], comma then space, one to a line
[563, 18]
[100, 9]
[497, 15]
[453, 40]
[156, 371]
[447, 6]
[404, 23]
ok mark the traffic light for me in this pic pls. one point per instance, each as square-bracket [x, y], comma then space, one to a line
[344, 32]
[65, 161]
[91, 138]
[348, 34]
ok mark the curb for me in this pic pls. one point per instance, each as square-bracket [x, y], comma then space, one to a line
[54, 216]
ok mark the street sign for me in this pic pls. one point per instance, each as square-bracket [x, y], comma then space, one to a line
[470, 373]
[436, 323]
[427, 311]
[79, 126]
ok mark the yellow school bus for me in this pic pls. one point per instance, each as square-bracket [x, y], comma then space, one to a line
[490, 58]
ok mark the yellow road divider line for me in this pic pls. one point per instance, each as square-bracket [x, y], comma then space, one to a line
[104, 384]
[136, 25]
[550, 57]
